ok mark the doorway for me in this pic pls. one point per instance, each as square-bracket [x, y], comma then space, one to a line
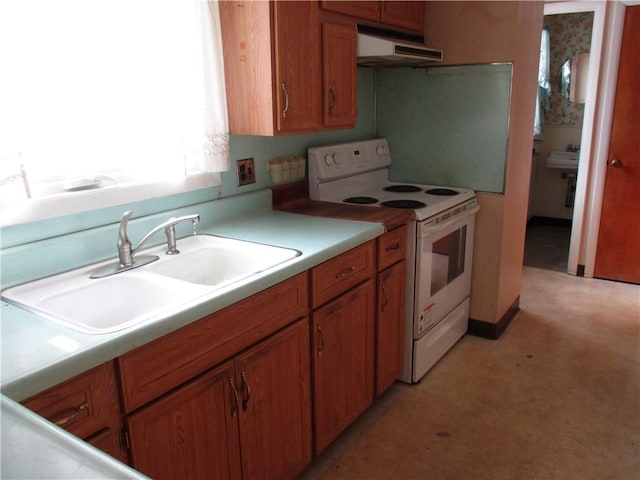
[554, 171]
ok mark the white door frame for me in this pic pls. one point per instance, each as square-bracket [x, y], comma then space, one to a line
[606, 37]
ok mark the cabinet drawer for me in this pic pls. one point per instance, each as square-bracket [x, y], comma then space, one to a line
[392, 247]
[83, 405]
[160, 366]
[337, 275]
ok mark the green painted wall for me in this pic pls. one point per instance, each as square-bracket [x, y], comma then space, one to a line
[446, 125]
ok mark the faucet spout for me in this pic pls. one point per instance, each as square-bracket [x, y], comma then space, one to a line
[169, 228]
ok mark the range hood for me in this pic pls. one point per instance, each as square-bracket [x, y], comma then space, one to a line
[376, 51]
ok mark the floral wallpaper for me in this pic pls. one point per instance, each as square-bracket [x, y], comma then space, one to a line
[569, 34]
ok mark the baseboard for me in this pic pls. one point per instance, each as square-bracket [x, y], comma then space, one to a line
[554, 222]
[480, 328]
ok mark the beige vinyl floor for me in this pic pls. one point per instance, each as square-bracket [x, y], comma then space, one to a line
[556, 397]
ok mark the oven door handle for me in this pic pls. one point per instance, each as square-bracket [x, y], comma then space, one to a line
[429, 230]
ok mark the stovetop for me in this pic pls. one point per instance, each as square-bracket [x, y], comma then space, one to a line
[357, 173]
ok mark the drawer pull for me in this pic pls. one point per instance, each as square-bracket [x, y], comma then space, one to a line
[286, 100]
[73, 414]
[234, 408]
[385, 297]
[346, 272]
[246, 389]
[393, 247]
[321, 346]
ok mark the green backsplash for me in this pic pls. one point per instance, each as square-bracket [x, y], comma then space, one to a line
[446, 125]
[262, 149]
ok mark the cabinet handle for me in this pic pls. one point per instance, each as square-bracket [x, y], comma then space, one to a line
[321, 346]
[393, 247]
[385, 297]
[286, 100]
[332, 99]
[346, 272]
[73, 414]
[234, 409]
[246, 391]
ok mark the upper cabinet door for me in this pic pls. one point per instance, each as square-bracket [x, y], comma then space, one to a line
[272, 62]
[297, 51]
[339, 75]
[365, 10]
[404, 14]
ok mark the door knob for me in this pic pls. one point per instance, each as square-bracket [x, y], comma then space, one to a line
[615, 163]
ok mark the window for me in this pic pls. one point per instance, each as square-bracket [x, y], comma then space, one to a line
[544, 88]
[108, 102]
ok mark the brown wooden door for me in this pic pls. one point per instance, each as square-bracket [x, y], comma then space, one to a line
[298, 63]
[340, 75]
[192, 433]
[275, 414]
[343, 346]
[618, 251]
[390, 326]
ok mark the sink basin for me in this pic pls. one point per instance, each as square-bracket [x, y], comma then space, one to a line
[100, 306]
[563, 160]
[206, 263]
[218, 261]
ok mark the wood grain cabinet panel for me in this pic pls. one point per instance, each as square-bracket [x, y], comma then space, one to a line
[390, 315]
[390, 326]
[343, 361]
[341, 273]
[272, 56]
[406, 15]
[340, 75]
[285, 71]
[85, 405]
[159, 366]
[191, 433]
[249, 418]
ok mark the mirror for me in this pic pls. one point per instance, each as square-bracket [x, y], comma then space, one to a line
[573, 78]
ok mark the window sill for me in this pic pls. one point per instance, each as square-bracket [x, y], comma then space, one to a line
[30, 210]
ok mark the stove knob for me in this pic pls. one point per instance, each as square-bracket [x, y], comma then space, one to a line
[328, 159]
[381, 151]
[336, 159]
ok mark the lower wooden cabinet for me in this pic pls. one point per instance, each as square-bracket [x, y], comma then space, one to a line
[86, 406]
[343, 348]
[390, 326]
[249, 416]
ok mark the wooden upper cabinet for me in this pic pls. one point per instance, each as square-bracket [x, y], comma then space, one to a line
[272, 56]
[404, 14]
[407, 15]
[297, 65]
[340, 75]
[365, 10]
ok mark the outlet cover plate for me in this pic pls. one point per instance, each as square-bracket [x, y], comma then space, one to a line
[246, 172]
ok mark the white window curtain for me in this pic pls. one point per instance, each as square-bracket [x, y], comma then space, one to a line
[544, 87]
[107, 94]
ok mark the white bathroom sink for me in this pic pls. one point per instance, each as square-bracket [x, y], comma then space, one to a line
[563, 160]
[206, 263]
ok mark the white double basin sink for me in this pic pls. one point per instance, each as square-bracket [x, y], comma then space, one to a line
[205, 264]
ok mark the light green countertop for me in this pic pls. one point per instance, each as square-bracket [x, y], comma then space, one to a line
[38, 353]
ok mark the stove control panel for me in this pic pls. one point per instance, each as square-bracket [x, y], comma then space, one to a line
[335, 161]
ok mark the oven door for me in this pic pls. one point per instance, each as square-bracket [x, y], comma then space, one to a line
[444, 253]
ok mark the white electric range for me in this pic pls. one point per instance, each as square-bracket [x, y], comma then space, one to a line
[439, 246]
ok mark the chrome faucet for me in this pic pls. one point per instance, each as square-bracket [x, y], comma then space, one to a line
[125, 252]
[126, 260]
